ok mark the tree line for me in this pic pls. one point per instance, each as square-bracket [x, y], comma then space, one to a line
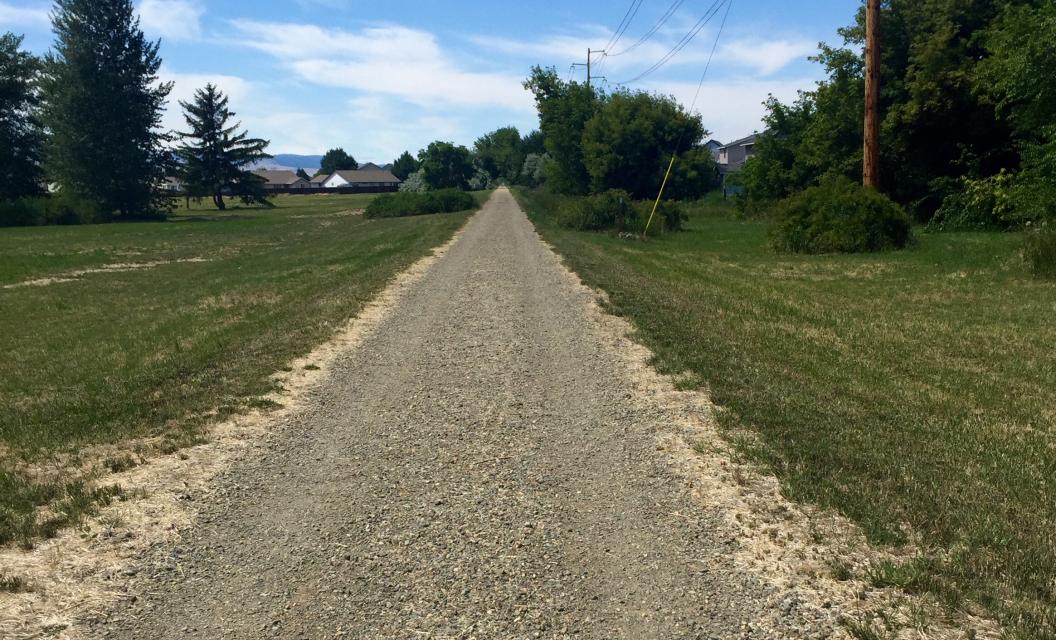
[968, 107]
[84, 122]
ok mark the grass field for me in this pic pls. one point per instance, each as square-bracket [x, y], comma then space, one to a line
[113, 332]
[914, 391]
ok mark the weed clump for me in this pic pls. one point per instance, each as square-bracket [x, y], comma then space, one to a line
[839, 216]
[1040, 252]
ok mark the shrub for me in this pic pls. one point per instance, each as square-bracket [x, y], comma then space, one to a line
[33, 212]
[1040, 252]
[972, 205]
[397, 205]
[610, 211]
[839, 216]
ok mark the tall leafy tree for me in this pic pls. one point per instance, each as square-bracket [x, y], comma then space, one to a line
[500, 154]
[215, 154]
[564, 110]
[404, 166]
[338, 160]
[104, 106]
[20, 132]
[628, 143]
[446, 166]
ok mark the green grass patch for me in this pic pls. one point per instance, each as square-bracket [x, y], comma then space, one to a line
[150, 329]
[912, 391]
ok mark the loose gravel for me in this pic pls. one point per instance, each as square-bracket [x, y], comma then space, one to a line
[477, 468]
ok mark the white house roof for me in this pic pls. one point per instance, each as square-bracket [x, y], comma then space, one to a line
[360, 176]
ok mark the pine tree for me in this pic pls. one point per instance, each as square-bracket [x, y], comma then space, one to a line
[20, 132]
[215, 160]
[301, 173]
[104, 108]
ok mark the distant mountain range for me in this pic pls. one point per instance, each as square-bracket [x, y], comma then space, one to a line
[293, 162]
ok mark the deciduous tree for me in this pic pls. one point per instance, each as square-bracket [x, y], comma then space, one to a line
[446, 166]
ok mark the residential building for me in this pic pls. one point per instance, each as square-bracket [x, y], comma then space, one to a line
[733, 155]
[282, 180]
[373, 179]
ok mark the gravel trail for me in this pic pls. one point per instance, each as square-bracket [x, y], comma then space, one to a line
[475, 469]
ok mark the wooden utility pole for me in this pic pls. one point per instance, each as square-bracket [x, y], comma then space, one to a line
[871, 168]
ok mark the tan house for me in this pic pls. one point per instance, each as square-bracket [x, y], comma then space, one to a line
[282, 180]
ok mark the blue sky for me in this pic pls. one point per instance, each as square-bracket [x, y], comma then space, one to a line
[380, 77]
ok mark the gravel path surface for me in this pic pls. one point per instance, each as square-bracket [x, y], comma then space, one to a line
[476, 469]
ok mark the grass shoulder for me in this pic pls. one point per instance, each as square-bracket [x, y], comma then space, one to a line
[157, 330]
[912, 391]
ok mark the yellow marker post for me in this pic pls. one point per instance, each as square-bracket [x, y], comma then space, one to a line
[663, 186]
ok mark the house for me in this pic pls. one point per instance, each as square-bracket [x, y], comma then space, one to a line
[319, 181]
[172, 185]
[282, 180]
[733, 155]
[373, 179]
[370, 166]
[713, 147]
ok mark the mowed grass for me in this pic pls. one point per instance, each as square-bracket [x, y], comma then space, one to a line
[155, 329]
[913, 391]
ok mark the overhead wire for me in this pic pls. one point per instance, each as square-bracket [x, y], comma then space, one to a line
[621, 30]
[625, 23]
[675, 6]
[692, 110]
[712, 11]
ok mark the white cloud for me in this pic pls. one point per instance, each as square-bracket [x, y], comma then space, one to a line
[239, 90]
[172, 19]
[733, 109]
[35, 16]
[389, 60]
[765, 57]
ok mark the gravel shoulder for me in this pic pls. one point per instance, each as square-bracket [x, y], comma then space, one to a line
[478, 467]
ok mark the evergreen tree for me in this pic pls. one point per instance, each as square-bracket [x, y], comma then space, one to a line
[215, 155]
[338, 160]
[301, 173]
[103, 109]
[404, 166]
[20, 131]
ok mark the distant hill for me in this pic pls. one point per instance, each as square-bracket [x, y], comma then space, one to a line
[293, 162]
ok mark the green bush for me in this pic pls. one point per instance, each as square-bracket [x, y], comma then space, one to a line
[839, 216]
[615, 210]
[610, 211]
[1041, 252]
[405, 203]
[971, 205]
[45, 210]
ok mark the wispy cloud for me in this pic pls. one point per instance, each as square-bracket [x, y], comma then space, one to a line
[172, 19]
[35, 16]
[765, 57]
[390, 60]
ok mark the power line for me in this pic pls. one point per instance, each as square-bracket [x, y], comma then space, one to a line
[625, 23]
[620, 33]
[652, 32]
[713, 10]
[692, 110]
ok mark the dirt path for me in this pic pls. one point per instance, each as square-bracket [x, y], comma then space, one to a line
[476, 469]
